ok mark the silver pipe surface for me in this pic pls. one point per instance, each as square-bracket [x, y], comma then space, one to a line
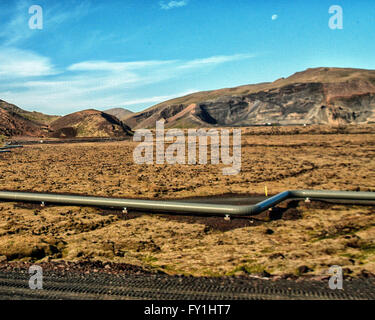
[185, 207]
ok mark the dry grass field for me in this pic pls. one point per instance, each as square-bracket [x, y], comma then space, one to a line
[306, 239]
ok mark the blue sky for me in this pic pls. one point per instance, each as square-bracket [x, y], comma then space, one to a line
[136, 53]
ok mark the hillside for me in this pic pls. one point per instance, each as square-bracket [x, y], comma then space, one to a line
[314, 96]
[120, 113]
[89, 123]
[34, 116]
[13, 123]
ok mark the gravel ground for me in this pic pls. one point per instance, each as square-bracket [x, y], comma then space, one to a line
[108, 281]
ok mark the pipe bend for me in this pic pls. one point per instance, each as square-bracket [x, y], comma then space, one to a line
[261, 206]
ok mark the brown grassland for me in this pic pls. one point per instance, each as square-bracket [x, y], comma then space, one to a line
[306, 238]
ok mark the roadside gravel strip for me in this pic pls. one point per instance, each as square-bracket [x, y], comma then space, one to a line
[107, 284]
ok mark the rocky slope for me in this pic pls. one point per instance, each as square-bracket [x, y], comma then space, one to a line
[34, 116]
[315, 96]
[13, 122]
[89, 123]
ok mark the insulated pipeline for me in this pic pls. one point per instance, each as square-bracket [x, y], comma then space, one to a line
[7, 148]
[179, 207]
[10, 147]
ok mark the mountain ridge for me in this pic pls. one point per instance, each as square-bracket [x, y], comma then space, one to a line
[315, 96]
[324, 95]
[15, 121]
[33, 116]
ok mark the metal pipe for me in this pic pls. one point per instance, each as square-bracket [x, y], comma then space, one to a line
[185, 207]
[10, 147]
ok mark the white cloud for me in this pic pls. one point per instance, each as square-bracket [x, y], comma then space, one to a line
[90, 83]
[114, 66]
[59, 14]
[16, 63]
[274, 17]
[172, 4]
[215, 60]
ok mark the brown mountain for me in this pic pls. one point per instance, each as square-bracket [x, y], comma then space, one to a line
[314, 96]
[34, 116]
[89, 123]
[120, 113]
[14, 122]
